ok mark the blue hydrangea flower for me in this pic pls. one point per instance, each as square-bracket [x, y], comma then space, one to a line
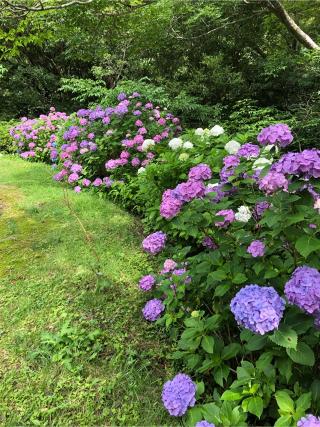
[178, 395]
[204, 423]
[309, 421]
[303, 289]
[258, 308]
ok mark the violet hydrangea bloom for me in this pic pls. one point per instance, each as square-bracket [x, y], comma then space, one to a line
[170, 204]
[228, 215]
[204, 423]
[248, 151]
[153, 309]
[200, 172]
[155, 242]
[146, 282]
[189, 190]
[258, 308]
[306, 163]
[276, 134]
[256, 248]
[208, 243]
[272, 182]
[309, 421]
[259, 209]
[168, 266]
[303, 289]
[178, 395]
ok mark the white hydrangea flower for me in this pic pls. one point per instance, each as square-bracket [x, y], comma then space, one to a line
[261, 162]
[213, 185]
[199, 131]
[184, 156]
[232, 147]
[216, 130]
[187, 145]
[175, 143]
[141, 170]
[243, 214]
[147, 143]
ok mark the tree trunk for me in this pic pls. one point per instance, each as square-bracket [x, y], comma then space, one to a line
[277, 8]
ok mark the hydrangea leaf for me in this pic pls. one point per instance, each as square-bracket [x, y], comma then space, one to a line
[284, 401]
[255, 405]
[285, 337]
[207, 344]
[305, 245]
[303, 355]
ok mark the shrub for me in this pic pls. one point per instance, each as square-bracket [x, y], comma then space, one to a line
[239, 293]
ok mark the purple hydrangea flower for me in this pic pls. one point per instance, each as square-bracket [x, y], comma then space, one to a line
[190, 190]
[178, 395]
[306, 163]
[155, 242]
[204, 423]
[170, 204]
[257, 308]
[276, 134]
[259, 209]
[76, 168]
[231, 160]
[228, 215]
[146, 282]
[200, 172]
[309, 421]
[249, 151]
[303, 289]
[272, 182]
[256, 248]
[122, 96]
[207, 242]
[153, 309]
[73, 177]
[168, 266]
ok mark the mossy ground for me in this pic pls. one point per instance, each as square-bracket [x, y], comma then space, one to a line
[48, 276]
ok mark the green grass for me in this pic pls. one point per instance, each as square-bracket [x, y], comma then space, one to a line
[50, 374]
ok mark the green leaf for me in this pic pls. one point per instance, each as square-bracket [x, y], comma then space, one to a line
[304, 402]
[221, 290]
[212, 322]
[207, 344]
[284, 421]
[255, 406]
[285, 337]
[303, 355]
[284, 402]
[221, 374]
[315, 390]
[305, 245]
[230, 351]
[239, 278]
[217, 276]
[256, 342]
[231, 395]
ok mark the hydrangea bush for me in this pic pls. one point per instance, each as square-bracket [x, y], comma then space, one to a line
[235, 225]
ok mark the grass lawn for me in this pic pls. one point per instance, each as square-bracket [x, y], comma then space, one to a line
[73, 347]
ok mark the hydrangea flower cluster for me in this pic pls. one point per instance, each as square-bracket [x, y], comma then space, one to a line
[257, 308]
[146, 283]
[173, 200]
[209, 243]
[256, 248]
[36, 138]
[272, 182]
[303, 289]
[153, 309]
[309, 421]
[260, 208]
[249, 151]
[306, 164]
[243, 214]
[228, 215]
[178, 395]
[279, 134]
[155, 242]
[204, 423]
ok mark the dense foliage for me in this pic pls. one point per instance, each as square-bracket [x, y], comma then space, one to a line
[235, 223]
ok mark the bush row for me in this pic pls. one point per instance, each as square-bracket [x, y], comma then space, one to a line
[235, 223]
